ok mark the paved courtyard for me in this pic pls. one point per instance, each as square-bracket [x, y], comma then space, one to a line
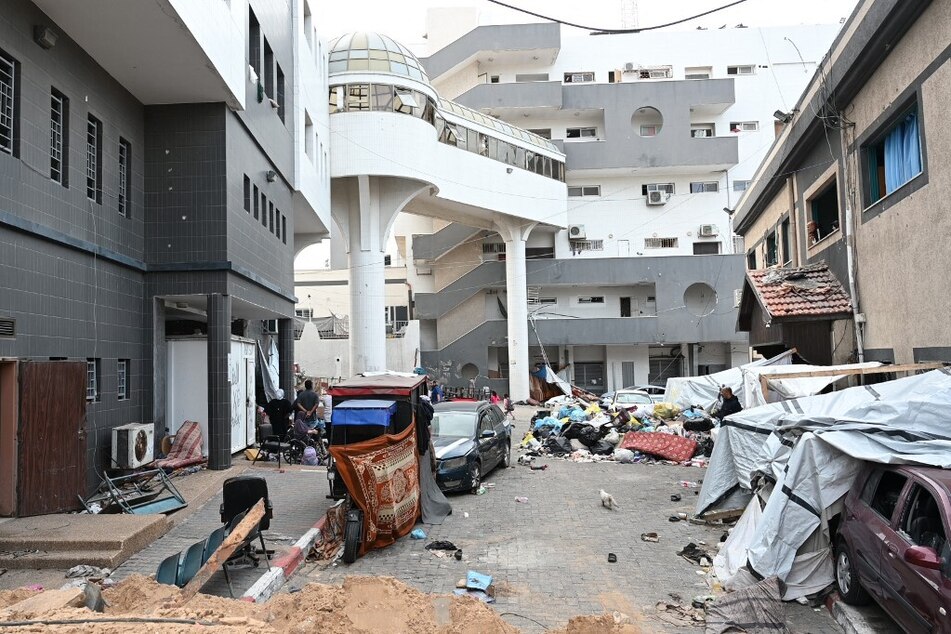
[549, 556]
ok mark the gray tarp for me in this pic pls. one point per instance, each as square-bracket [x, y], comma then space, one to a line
[705, 390]
[812, 448]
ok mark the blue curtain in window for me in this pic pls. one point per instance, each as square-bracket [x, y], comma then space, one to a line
[902, 153]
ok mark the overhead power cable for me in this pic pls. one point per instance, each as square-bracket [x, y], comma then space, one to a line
[599, 31]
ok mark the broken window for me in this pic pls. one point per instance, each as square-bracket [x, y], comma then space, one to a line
[895, 158]
[824, 211]
[598, 299]
[784, 241]
[702, 130]
[922, 520]
[772, 258]
[581, 133]
[655, 72]
[744, 126]
[544, 133]
[358, 97]
[751, 260]
[882, 491]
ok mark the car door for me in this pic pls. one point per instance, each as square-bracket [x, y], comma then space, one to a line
[914, 589]
[870, 523]
[486, 445]
[501, 432]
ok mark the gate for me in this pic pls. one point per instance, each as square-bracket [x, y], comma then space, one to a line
[51, 437]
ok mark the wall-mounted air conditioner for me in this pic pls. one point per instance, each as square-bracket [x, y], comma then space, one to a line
[133, 445]
[708, 231]
[657, 198]
[629, 66]
[576, 232]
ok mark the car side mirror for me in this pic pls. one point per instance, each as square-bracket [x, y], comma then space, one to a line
[487, 433]
[924, 557]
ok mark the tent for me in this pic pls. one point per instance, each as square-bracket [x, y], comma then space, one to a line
[705, 390]
[808, 452]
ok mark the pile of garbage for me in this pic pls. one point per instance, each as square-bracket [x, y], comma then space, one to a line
[581, 431]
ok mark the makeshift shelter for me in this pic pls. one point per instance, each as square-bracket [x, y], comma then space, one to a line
[705, 390]
[808, 452]
[545, 384]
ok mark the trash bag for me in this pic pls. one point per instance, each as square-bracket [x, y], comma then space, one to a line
[588, 435]
[624, 456]
[666, 411]
[698, 424]
[612, 437]
[577, 415]
[558, 445]
[704, 448]
[571, 430]
[577, 445]
[602, 448]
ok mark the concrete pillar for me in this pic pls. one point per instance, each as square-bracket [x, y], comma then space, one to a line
[516, 289]
[367, 317]
[159, 368]
[219, 388]
[285, 353]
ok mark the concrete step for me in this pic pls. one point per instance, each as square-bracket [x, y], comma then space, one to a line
[62, 559]
[867, 619]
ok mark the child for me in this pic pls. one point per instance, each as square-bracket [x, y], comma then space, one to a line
[508, 407]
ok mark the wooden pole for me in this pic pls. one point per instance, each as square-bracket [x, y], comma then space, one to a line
[224, 552]
[908, 367]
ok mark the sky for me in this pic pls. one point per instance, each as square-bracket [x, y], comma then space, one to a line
[405, 21]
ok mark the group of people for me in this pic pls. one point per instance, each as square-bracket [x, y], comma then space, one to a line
[308, 417]
[437, 395]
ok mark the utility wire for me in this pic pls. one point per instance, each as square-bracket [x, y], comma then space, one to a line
[599, 31]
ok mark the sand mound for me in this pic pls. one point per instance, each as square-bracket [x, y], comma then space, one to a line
[9, 597]
[137, 595]
[603, 624]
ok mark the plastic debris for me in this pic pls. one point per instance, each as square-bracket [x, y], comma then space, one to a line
[84, 570]
[649, 537]
[418, 533]
[482, 490]
[477, 580]
[441, 545]
[521, 499]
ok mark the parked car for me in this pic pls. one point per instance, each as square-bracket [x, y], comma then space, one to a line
[656, 392]
[470, 438]
[892, 545]
[627, 398]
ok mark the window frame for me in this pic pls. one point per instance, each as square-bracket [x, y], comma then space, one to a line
[10, 97]
[736, 72]
[785, 241]
[670, 242]
[583, 77]
[94, 158]
[582, 133]
[698, 70]
[877, 139]
[704, 187]
[122, 379]
[586, 300]
[247, 193]
[59, 167]
[584, 191]
[744, 126]
[123, 199]
[771, 249]
[669, 188]
[93, 393]
[829, 180]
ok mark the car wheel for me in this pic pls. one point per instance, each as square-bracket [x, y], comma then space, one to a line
[475, 476]
[847, 578]
[507, 456]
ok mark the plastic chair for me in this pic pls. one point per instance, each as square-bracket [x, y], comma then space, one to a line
[191, 563]
[167, 572]
[212, 542]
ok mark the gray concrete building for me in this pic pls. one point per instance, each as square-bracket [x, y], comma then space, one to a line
[156, 161]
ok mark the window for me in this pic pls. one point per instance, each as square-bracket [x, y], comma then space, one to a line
[581, 133]
[587, 245]
[922, 520]
[660, 243]
[92, 379]
[59, 138]
[741, 186]
[270, 215]
[668, 188]
[94, 159]
[824, 211]
[704, 187]
[284, 229]
[539, 253]
[895, 158]
[263, 209]
[706, 248]
[247, 193]
[268, 69]
[751, 260]
[578, 78]
[702, 130]
[304, 313]
[587, 190]
[625, 307]
[280, 92]
[9, 103]
[772, 257]
[591, 300]
[358, 97]
[544, 133]
[655, 72]
[493, 247]
[744, 126]
[125, 177]
[277, 223]
[122, 379]
[539, 301]
[649, 130]
[254, 43]
[784, 241]
[882, 492]
[748, 69]
[698, 72]
[528, 77]
[494, 79]
[256, 201]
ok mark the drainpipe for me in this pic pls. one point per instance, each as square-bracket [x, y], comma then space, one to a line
[857, 316]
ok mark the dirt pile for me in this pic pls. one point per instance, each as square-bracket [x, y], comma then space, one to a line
[360, 604]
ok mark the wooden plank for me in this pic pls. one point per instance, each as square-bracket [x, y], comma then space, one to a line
[908, 367]
[224, 552]
[764, 386]
[728, 514]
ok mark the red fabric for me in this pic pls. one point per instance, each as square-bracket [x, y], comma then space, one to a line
[382, 476]
[667, 446]
[186, 448]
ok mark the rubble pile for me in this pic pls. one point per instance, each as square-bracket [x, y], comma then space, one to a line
[582, 431]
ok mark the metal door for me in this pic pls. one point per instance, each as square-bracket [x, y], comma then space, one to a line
[51, 460]
[590, 376]
[250, 405]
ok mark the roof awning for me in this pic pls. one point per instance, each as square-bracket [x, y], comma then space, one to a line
[806, 293]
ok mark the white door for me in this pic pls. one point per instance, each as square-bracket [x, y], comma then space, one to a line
[239, 430]
[250, 405]
[624, 248]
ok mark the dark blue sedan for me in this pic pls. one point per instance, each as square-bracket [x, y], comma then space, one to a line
[470, 438]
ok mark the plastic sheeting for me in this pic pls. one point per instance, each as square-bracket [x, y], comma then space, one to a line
[813, 448]
[705, 390]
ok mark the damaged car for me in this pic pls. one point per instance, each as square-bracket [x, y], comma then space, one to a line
[470, 439]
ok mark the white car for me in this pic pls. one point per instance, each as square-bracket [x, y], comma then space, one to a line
[628, 398]
[655, 391]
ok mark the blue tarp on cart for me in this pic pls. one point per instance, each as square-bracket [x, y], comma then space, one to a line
[364, 412]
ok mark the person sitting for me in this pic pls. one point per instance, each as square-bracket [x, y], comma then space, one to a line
[303, 431]
[729, 404]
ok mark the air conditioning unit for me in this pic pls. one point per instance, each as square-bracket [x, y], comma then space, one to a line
[708, 231]
[629, 66]
[576, 232]
[657, 198]
[133, 445]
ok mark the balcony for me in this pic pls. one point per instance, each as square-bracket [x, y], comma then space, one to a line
[716, 153]
[504, 42]
[537, 94]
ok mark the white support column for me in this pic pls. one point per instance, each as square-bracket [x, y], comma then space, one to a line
[516, 288]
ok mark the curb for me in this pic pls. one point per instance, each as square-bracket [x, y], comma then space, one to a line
[865, 620]
[284, 567]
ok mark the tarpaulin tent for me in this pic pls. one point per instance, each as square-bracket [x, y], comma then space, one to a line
[811, 449]
[705, 390]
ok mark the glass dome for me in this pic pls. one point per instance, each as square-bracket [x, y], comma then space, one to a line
[372, 52]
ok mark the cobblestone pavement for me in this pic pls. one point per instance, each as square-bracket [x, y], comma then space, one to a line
[298, 497]
[549, 556]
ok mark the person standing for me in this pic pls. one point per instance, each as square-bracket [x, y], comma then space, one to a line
[436, 395]
[328, 402]
[307, 403]
[278, 411]
[508, 407]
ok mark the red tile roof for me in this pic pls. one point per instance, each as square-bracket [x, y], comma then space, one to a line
[809, 291]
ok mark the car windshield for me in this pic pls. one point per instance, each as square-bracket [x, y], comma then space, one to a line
[454, 424]
[632, 398]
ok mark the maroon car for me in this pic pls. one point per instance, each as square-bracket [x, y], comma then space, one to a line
[892, 544]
